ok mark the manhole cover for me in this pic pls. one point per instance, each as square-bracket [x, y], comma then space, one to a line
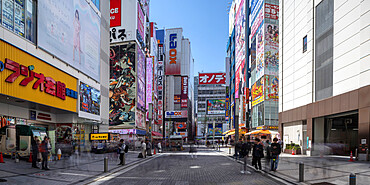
[323, 183]
[3, 180]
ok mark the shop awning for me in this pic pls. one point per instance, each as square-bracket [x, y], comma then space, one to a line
[228, 131]
[232, 131]
[157, 134]
[255, 132]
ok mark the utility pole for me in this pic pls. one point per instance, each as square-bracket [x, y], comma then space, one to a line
[214, 129]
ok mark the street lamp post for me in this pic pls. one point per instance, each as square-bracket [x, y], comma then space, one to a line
[213, 143]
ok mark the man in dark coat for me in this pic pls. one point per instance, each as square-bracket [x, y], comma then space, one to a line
[257, 154]
[44, 152]
[275, 152]
[123, 148]
[35, 151]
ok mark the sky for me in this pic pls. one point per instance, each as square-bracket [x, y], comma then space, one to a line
[204, 22]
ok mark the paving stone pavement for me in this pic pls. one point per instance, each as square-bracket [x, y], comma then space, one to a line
[327, 169]
[69, 170]
[180, 168]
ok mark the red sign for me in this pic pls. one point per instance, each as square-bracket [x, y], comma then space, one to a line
[212, 78]
[184, 92]
[115, 13]
[271, 11]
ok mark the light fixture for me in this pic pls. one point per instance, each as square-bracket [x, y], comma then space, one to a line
[333, 129]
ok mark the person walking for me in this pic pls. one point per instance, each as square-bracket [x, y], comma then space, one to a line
[249, 147]
[44, 152]
[268, 153]
[238, 146]
[257, 154]
[123, 148]
[148, 148]
[222, 142]
[143, 149]
[275, 152]
[35, 151]
[159, 147]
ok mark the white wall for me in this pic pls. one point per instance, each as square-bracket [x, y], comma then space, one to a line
[351, 54]
[293, 132]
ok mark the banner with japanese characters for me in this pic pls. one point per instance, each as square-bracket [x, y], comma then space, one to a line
[212, 78]
[123, 19]
[184, 91]
[28, 78]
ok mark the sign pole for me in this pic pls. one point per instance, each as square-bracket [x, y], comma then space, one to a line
[214, 129]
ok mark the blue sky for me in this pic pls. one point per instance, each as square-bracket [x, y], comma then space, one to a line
[204, 22]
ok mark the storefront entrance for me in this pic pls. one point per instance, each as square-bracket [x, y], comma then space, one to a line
[336, 134]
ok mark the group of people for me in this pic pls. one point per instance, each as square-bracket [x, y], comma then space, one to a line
[146, 148]
[273, 150]
[42, 148]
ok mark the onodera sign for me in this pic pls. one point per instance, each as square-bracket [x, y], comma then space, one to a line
[212, 78]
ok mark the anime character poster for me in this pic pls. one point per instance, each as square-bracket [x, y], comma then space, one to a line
[89, 99]
[257, 92]
[271, 49]
[271, 87]
[122, 87]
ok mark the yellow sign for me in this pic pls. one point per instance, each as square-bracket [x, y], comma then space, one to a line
[29, 78]
[104, 136]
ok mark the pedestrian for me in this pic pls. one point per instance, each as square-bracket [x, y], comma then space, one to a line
[222, 142]
[193, 151]
[238, 146]
[143, 149]
[257, 154]
[275, 152]
[148, 148]
[123, 148]
[159, 147]
[268, 153]
[35, 151]
[249, 147]
[44, 152]
[243, 154]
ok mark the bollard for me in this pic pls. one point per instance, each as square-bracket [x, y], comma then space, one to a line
[367, 154]
[105, 164]
[352, 179]
[356, 154]
[301, 172]
[229, 150]
[219, 149]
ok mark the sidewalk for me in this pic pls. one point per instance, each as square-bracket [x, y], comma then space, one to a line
[327, 169]
[69, 170]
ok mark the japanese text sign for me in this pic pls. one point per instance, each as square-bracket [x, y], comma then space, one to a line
[212, 78]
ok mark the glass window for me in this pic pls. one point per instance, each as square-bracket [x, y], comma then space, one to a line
[7, 14]
[30, 21]
[19, 17]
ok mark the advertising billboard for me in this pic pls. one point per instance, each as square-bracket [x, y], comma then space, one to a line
[184, 92]
[140, 79]
[140, 22]
[149, 83]
[260, 66]
[115, 13]
[160, 82]
[271, 11]
[217, 129]
[227, 105]
[258, 92]
[272, 49]
[257, 23]
[240, 35]
[140, 122]
[255, 8]
[216, 106]
[177, 114]
[173, 51]
[177, 99]
[89, 99]
[70, 30]
[122, 87]
[212, 78]
[271, 87]
[125, 29]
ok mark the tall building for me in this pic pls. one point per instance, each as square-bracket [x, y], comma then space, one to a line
[211, 105]
[324, 75]
[179, 83]
[130, 61]
[54, 69]
[264, 49]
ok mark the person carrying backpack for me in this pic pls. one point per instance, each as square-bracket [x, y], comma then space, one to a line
[122, 148]
[275, 152]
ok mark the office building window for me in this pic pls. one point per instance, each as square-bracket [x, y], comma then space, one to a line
[19, 16]
[96, 3]
[304, 43]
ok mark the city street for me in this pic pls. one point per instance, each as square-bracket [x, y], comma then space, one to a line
[209, 167]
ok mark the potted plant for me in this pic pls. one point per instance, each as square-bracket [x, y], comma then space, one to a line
[288, 148]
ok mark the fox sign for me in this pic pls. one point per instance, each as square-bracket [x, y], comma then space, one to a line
[212, 78]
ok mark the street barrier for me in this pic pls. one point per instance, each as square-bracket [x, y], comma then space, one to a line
[105, 164]
[301, 172]
[367, 154]
[352, 179]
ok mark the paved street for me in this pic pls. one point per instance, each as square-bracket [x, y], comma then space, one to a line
[180, 168]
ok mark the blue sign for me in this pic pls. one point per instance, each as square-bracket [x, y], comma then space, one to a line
[32, 115]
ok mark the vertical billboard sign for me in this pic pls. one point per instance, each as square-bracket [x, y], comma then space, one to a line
[122, 87]
[184, 92]
[115, 13]
[227, 104]
[160, 82]
[149, 82]
[70, 30]
[272, 87]
[173, 49]
[140, 23]
[212, 78]
[257, 92]
[140, 122]
[123, 29]
[271, 49]
[240, 35]
[140, 79]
